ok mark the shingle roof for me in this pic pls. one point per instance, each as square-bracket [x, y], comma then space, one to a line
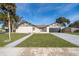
[38, 26]
[41, 26]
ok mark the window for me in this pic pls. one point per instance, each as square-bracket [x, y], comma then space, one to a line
[33, 28]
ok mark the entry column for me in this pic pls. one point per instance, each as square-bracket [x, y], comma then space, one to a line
[47, 29]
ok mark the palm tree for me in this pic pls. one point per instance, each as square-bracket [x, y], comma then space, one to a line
[8, 9]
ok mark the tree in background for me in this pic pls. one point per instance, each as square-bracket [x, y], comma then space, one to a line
[62, 21]
[75, 24]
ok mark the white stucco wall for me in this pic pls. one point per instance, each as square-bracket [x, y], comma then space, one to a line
[28, 29]
[47, 29]
[37, 30]
[24, 30]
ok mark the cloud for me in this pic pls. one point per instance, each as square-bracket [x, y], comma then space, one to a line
[57, 9]
[48, 7]
[22, 6]
[67, 7]
[73, 17]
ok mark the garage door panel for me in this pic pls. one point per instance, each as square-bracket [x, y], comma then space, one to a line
[54, 29]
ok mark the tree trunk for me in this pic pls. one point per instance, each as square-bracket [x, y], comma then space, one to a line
[12, 27]
[9, 26]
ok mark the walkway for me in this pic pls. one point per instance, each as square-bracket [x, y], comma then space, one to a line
[68, 37]
[13, 44]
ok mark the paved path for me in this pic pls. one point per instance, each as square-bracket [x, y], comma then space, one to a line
[68, 37]
[13, 44]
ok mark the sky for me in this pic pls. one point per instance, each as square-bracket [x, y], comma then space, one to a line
[47, 13]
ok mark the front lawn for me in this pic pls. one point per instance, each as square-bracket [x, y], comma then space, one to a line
[45, 40]
[14, 37]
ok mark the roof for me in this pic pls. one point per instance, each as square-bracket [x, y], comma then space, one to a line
[38, 26]
[22, 22]
[41, 26]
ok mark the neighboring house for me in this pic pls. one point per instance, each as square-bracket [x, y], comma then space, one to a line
[74, 29]
[2, 30]
[26, 27]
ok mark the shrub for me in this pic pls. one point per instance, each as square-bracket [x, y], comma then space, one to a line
[66, 30]
[77, 31]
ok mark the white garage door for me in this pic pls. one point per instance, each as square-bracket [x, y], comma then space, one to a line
[24, 30]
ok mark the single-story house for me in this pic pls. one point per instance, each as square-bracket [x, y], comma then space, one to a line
[74, 29]
[26, 27]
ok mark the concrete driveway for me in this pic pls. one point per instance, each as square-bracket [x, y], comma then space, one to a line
[74, 39]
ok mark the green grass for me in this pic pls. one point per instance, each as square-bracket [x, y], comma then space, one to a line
[74, 33]
[45, 40]
[14, 36]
